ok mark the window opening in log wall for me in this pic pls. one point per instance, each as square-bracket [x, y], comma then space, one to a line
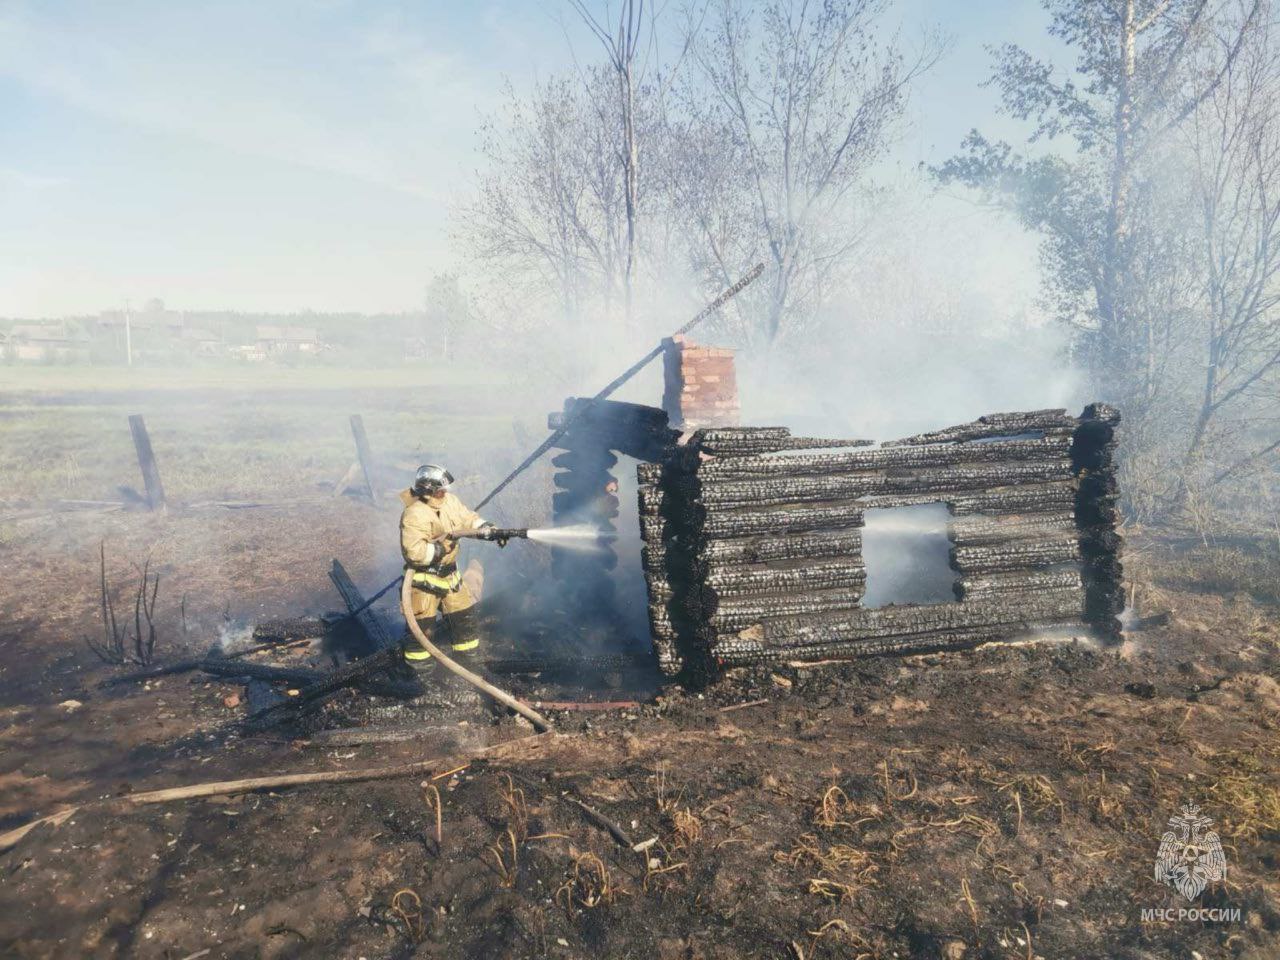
[908, 556]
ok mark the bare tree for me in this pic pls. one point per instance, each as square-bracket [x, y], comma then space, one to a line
[788, 106]
[1137, 79]
[548, 208]
[620, 44]
[1235, 144]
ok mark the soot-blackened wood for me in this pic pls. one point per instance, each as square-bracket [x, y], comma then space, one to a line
[1023, 582]
[739, 580]
[1034, 498]
[629, 428]
[942, 641]
[365, 455]
[1097, 517]
[741, 653]
[995, 425]
[882, 458]
[978, 530]
[780, 521]
[302, 677]
[1049, 605]
[738, 613]
[147, 462]
[767, 491]
[345, 676]
[286, 630]
[759, 445]
[822, 544]
[380, 638]
[1016, 554]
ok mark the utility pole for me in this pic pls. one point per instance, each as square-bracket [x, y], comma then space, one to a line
[128, 335]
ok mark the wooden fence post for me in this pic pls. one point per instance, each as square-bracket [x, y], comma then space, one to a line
[147, 462]
[364, 454]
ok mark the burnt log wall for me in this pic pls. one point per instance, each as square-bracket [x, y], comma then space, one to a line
[753, 553]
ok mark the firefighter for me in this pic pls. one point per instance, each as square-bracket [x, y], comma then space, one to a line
[431, 513]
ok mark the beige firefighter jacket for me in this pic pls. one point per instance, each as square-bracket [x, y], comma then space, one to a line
[424, 525]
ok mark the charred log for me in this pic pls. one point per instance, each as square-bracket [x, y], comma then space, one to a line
[781, 490]
[1021, 583]
[883, 458]
[1043, 422]
[1017, 554]
[1047, 606]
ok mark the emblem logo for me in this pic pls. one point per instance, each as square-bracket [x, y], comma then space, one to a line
[1190, 854]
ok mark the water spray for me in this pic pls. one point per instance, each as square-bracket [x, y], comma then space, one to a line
[582, 537]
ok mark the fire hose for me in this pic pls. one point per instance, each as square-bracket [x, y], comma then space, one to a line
[406, 607]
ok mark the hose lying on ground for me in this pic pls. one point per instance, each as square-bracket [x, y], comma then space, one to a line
[406, 607]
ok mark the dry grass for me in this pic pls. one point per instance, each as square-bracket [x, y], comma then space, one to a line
[407, 905]
[665, 799]
[508, 865]
[1250, 807]
[431, 797]
[1037, 789]
[517, 809]
[687, 829]
[842, 869]
[589, 884]
[836, 809]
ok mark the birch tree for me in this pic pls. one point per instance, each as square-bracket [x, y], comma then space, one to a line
[788, 104]
[1235, 145]
[1137, 79]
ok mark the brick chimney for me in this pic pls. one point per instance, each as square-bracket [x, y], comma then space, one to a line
[700, 387]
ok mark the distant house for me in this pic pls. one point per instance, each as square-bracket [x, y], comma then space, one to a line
[416, 348]
[275, 340]
[46, 343]
[202, 342]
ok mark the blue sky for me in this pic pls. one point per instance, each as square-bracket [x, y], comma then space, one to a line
[295, 154]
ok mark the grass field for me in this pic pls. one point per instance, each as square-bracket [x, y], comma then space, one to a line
[238, 432]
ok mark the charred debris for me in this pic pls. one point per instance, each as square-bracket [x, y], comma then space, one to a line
[752, 553]
[754, 550]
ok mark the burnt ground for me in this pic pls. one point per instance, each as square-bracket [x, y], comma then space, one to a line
[1006, 802]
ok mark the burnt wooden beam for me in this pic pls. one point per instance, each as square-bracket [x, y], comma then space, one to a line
[737, 613]
[1019, 582]
[979, 530]
[780, 521]
[754, 441]
[374, 629]
[1016, 554]
[996, 425]
[881, 458]
[147, 462]
[1048, 605]
[365, 455]
[774, 491]
[323, 688]
[939, 642]
[737, 580]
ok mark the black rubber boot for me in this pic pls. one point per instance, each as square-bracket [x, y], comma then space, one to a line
[464, 636]
[416, 658]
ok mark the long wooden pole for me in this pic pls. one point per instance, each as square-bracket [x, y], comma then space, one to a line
[510, 749]
[622, 378]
